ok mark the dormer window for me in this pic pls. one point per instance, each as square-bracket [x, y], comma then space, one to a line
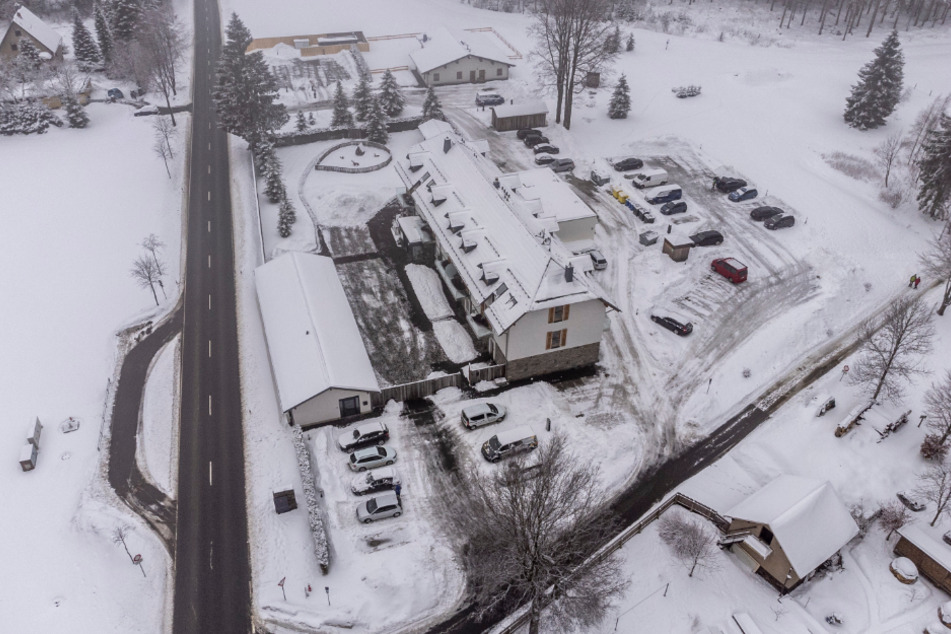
[468, 244]
[456, 222]
[501, 289]
[490, 277]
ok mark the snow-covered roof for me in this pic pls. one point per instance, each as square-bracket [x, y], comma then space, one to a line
[312, 337]
[678, 239]
[806, 516]
[40, 30]
[412, 228]
[936, 550]
[541, 193]
[434, 127]
[508, 261]
[443, 47]
[520, 109]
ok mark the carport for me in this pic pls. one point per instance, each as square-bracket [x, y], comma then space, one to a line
[530, 114]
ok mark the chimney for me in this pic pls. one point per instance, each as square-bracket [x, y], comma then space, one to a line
[569, 273]
[446, 144]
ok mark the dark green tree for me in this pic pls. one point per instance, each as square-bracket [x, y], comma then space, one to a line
[274, 183]
[361, 98]
[84, 46]
[103, 32]
[432, 109]
[75, 114]
[878, 90]
[934, 194]
[342, 117]
[376, 122]
[391, 98]
[630, 43]
[613, 43]
[621, 100]
[301, 123]
[125, 19]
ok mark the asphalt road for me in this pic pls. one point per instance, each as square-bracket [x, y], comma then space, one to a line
[212, 568]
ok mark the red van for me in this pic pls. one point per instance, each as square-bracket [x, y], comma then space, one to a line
[730, 268]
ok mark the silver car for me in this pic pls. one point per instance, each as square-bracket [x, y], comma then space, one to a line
[371, 458]
[379, 507]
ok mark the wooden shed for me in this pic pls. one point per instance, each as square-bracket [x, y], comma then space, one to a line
[931, 556]
[677, 246]
[530, 114]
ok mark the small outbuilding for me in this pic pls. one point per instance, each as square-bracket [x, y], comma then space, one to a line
[25, 25]
[528, 114]
[932, 558]
[284, 499]
[319, 363]
[28, 453]
[416, 238]
[677, 246]
[787, 529]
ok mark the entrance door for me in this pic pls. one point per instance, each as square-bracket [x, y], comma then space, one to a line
[481, 74]
[349, 406]
[472, 75]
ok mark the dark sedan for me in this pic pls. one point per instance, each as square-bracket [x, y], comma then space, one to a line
[671, 324]
[707, 238]
[627, 163]
[765, 213]
[676, 207]
[537, 139]
[727, 184]
[780, 222]
[743, 193]
[527, 132]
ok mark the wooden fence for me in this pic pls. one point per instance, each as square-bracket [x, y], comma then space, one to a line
[416, 389]
[614, 545]
[484, 374]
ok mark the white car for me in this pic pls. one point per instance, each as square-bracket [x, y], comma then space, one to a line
[379, 507]
[482, 414]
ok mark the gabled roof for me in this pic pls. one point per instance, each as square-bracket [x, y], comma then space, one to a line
[806, 517]
[41, 32]
[312, 337]
[927, 544]
[541, 193]
[520, 109]
[442, 47]
[509, 262]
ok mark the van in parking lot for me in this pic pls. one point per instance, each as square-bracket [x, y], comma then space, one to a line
[509, 443]
[650, 178]
[598, 260]
[664, 194]
[730, 268]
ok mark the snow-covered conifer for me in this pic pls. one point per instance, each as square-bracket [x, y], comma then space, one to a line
[84, 46]
[621, 100]
[75, 114]
[301, 124]
[934, 195]
[342, 117]
[125, 20]
[361, 98]
[391, 98]
[274, 185]
[376, 122]
[432, 109]
[103, 32]
[630, 43]
[878, 90]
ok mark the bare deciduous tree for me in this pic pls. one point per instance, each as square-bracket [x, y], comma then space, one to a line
[162, 150]
[692, 543]
[164, 135]
[934, 485]
[887, 153]
[893, 516]
[528, 530]
[938, 407]
[891, 354]
[161, 42]
[148, 272]
[153, 245]
[936, 262]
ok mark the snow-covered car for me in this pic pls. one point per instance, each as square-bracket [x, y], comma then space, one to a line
[562, 165]
[544, 159]
[376, 480]
[910, 502]
[535, 139]
[145, 111]
[489, 99]
[371, 458]
[482, 414]
[743, 193]
[379, 507]
[375, 433]
[765, 213]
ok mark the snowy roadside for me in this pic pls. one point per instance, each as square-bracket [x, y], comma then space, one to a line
[157, 442]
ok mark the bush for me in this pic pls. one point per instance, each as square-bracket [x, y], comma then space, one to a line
[932, 448]
[892, 196]
[854, 166]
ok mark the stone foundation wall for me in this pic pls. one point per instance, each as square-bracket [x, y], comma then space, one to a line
[557, 361]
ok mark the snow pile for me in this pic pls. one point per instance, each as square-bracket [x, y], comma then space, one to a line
[904, 570]
[454, 341]
[428, 290]
[944, 613]
[321, 546]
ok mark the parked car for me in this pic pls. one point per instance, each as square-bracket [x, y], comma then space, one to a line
[544, 159]
[743, 193]
[730, 268]
[380, 479]
[372, 457]
[489, 99]
[145, 111]
[526, 132]
[562, 165]
[509, 443]
[779, 222]
[115, 93]
[546, 148]
[676, 207]
[535, 139]
[482, 414]
[598, 260]
[379, 507]
[362, 435]
[910, 502]
[677, 327]
[599, 179]
[728, 184]
[707, 238]
[764, 213]
[627, 163]
[663, 194]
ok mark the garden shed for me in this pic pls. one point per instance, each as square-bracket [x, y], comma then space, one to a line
[530, 114]
[677, 246]
[931, 556]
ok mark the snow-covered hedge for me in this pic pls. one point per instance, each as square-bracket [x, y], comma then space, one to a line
[26, 117]
[321, 545]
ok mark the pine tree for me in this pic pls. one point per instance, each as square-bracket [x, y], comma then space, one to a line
[103, 33]
[285, 217]
[264, 155]
[283, 225]
[246, 90]
[391, 98]
[630, 43]
[342, 117]
[361, 98]
[87, 53]
[274, 183]
[878, 90]
[376, 122]
[287, 209]
[934, 195]
[75, 114]
[621, 100]
[125, 21]
[301, 122]
[432, 109]
[613, 43]
[310, 119]
[33, 117]
[29, 55]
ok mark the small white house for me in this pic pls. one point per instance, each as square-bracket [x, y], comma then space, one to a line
[458, 58]
[319, 363]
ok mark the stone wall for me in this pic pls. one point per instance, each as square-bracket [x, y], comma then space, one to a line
[550, 362]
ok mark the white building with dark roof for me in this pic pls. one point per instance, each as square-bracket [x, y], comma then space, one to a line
[26, 25]
[319, 363]
[464, 57]
[535, 303]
